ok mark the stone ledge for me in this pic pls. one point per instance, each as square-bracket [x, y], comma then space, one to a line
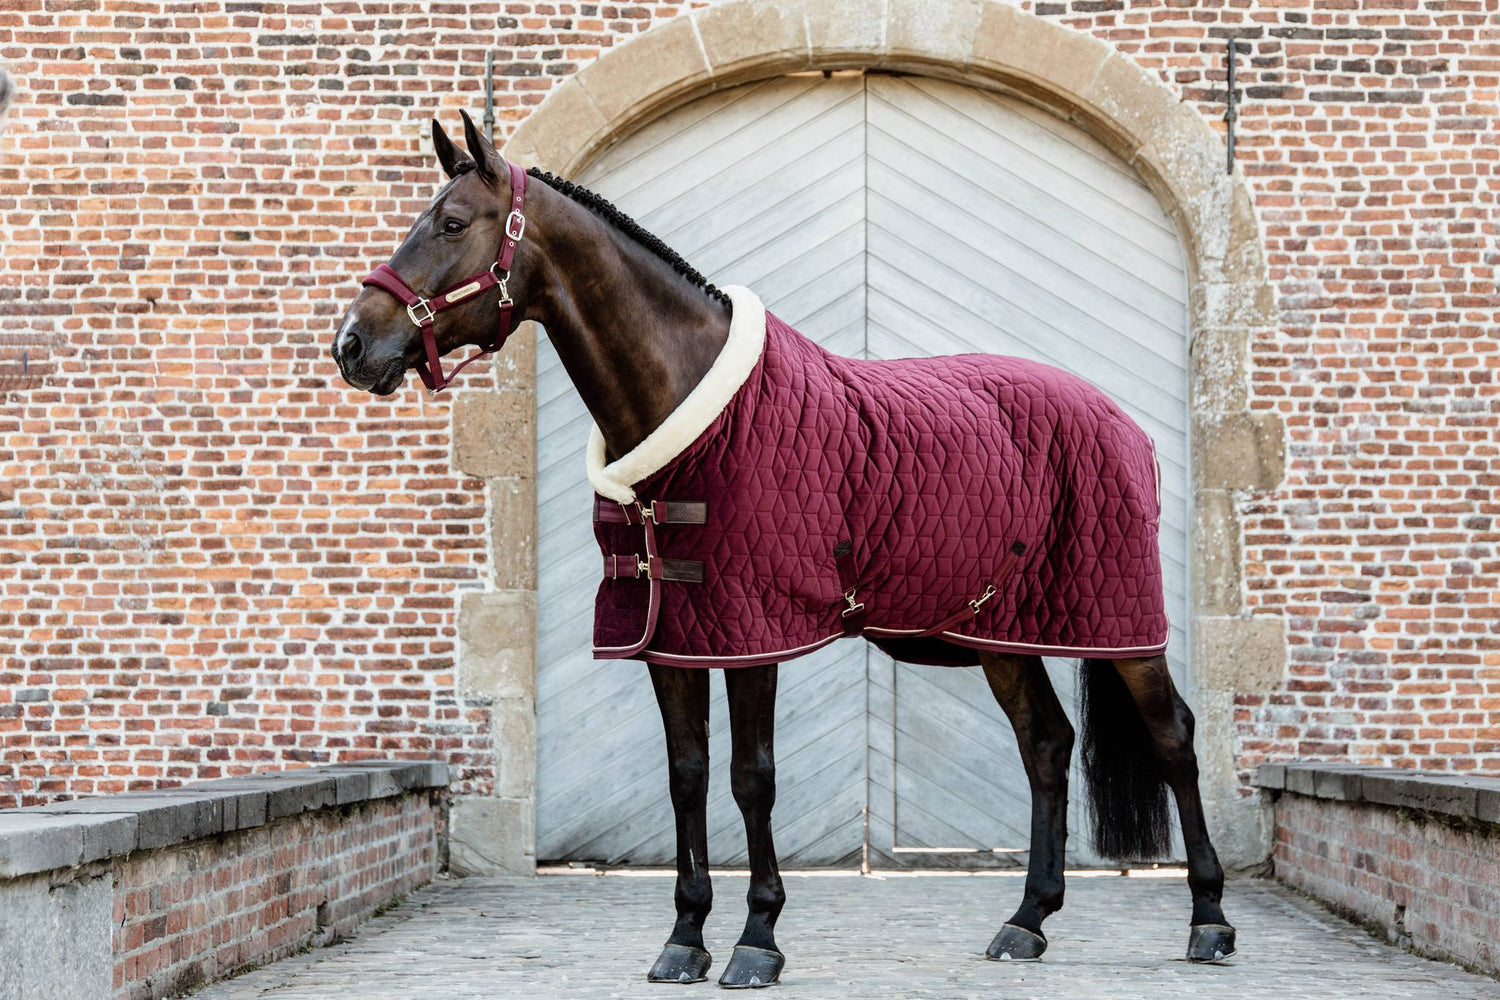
[1462, 796]
[65, 834]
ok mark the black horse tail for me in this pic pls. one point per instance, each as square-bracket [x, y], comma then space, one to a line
[1127, 790]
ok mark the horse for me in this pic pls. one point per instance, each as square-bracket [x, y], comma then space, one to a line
[499, 245]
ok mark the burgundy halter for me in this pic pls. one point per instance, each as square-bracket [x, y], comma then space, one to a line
[421, 311]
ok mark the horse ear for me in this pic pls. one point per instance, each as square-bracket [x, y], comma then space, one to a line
[485, 157]
[447, 154]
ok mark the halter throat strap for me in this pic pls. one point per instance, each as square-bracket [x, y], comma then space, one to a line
[422, 312]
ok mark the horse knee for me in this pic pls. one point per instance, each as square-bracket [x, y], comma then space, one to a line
[687, 778]
[752, 780]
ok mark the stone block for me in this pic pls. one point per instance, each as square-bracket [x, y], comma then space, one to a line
[1339, 784]
[930, 31]
[351, 785]
[1245, 451]
[1302, 780]
[108, 835]
[845, 33]
[1216, 554]
[663, 65]
[514, 723]
[1232, 304]
[33, 842]
[753, 40]
[242, 800]
[1271, 776]
[498, 632]
[1244, 259]
[1240, 654]
[1221, 363]
[494, 434]
[492, 836]
[1009, 43]
[513, 534]
[1240, 826]
[565, 134]
[296, 795]
[1487, 803]
[515, 367]
[56, 938]
[162, 819]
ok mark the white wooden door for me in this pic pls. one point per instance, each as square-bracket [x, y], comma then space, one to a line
[885, 217]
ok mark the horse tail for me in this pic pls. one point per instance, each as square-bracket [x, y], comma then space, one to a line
[1127, 790]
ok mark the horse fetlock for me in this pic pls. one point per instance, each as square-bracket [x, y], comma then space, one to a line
[1049, 902]
[766, 898]
[694, 897]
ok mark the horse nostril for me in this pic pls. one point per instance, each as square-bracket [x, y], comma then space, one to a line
[350, 346]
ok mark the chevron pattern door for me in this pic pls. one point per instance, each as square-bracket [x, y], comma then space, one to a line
[886, 217]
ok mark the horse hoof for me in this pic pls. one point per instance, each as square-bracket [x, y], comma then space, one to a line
[751, 968]
[680, 963]
[1016, 944]
[1210, 943]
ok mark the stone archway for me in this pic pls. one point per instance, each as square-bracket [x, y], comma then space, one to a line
[983, 43]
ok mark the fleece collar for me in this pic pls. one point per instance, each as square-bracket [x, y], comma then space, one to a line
[737, 359]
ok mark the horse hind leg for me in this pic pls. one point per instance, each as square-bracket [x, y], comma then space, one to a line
[1168, 725]
[682, 696]
[1045, 738]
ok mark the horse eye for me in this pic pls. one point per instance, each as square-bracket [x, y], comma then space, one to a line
[453, 227]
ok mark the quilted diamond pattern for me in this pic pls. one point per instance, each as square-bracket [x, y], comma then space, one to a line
[934, 467]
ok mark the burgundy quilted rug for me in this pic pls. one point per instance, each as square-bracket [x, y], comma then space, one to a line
[937, 506]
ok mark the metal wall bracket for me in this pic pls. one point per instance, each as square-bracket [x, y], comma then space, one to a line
[1231, 114]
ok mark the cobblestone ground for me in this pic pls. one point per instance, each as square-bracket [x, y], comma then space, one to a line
[850, 938]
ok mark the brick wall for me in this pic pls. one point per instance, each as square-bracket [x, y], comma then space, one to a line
[213, 556]
[1425, 881]
[186, 916]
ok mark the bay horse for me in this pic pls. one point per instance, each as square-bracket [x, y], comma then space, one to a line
[499, 245]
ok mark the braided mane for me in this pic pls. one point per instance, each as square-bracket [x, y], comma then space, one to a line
[628, 226]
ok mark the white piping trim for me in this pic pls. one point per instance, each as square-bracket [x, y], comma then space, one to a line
[796, 651]
[683, 426]
[635, 647]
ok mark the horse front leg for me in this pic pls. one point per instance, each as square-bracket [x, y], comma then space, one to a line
[1169, 722]
[1045, 739]
[752, 720]
[682, 695]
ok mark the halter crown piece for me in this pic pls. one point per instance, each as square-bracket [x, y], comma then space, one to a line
[422, 311]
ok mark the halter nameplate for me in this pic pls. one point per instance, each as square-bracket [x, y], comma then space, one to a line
[464, 292]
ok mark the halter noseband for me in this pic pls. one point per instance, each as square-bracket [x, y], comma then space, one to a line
[421, 311]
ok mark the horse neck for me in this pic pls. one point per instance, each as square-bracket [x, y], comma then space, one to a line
[634, 336]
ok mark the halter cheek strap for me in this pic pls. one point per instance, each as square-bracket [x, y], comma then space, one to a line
[422, 311]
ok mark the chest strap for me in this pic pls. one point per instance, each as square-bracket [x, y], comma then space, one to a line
[657, 511]
[633, 567]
